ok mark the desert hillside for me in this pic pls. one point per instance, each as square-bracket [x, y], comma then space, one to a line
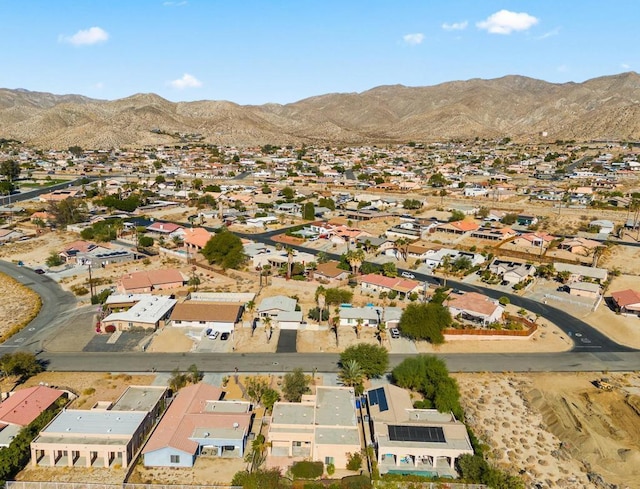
[514, 106]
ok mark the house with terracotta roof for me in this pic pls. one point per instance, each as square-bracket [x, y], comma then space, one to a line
[217, 316]
[458, 227]
[198, 421]
[168, 229]
[580, 246]
[374, 283]
[146, 281]
[59, 195]
[196, 238]
[627, 301]
[474, 307]
[24, 406]
[330, 272]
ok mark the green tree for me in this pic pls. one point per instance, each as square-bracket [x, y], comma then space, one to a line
[225, 250]
[145, 241]
[20, 364]
[197, 183]
[54, 260]
[327, 202]
[288, 193]
[269, 398]
[456, 215]
[309, 211]
[373, 359]
[294, 385]
[425, 322]
[411, 204]
[10, 169]
[256, 387]
[355, 259]
[437, 180]
[389, 269]
[68, 211]
[509, 219]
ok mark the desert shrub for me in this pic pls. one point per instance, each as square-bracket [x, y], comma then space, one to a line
[355, 461]
[79, 290]
[355, 482]
[89, 391]
[307, 470]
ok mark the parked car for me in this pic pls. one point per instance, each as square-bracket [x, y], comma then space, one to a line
[224, 336]
[39, 271]
[207, 331]
[408, 275]
[395, 332]
[213, 335]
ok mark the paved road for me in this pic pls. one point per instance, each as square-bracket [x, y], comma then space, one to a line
[58, 307]
[30, 194]
[566, 322]
[328, 362]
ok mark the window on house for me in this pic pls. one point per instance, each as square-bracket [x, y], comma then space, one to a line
[175, 459]
[297, 443]
[328, 461]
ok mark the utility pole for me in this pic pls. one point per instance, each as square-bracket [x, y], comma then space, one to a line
[90, 282]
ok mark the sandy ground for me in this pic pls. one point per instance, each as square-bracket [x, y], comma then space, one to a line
[19, 304]
[208, 470]
[558, 429]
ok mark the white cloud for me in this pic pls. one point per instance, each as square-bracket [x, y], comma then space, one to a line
[506, 22]
[98, 85]
[625, 66]
[413, 39]
[563, 68]
[455, 26]
[175, 4]
[546, 35]
[187, 81]
[92, 35]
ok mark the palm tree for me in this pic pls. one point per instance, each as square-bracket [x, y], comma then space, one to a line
[355, 259]
[290, 253]
[382, 333]
[268, 328]
[401, 246]
[335, 321]
[351, 375]
[446, 262]
[321, 303]
[358, 327]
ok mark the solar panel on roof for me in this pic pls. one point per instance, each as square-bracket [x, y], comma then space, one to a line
[377, 397]
[427, 434]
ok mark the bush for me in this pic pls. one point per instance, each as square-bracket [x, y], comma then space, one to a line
[89, 391]
[355, 482]
[307, 470]
[79, 290]
[331, 469]
[355, 461]
[110, 328]
[504, 301]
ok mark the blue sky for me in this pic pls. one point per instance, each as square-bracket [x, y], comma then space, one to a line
[254, 52]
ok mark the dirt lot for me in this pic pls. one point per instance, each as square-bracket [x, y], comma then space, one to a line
[91, 387]
[558, 429]
[18, 306]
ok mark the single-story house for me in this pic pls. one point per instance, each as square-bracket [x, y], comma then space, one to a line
[221, 317]
[580, 246]
[149, 312]
[370, 316]
[537, 240]
[24, 406]
[458, 227]
[411, 440]
[198, 421]
[272, 306]
[584, 289]
[475, 307]
[7, 235]
[330, 272]
[71, 251]
[375, 283]
[322, 427]
[149, 280]
[289, 319]
[195, 239]
[627, 301]
[512, 271]
[578, 271]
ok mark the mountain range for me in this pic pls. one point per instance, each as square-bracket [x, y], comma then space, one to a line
[515, 106]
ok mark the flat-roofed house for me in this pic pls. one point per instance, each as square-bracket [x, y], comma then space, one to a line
[221, 317]
[22, 407]
[99, 437]
[627, 301]
[370, 316]
[149, 312]
[584, 289]
[475, 307]
[197, 421]
[272, 306]
[323, 427]
[414, 441]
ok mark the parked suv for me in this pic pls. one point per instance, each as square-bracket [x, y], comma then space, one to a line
[395, 332]
[408, 275]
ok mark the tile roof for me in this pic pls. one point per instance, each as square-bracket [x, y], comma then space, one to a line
[25, 405]
[197, 237]
[394, 283]
[187, 413]
[150, 278]
[472, 302]
[624, 297]
[329, 269]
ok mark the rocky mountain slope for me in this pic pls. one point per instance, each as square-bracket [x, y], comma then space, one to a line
[514, 106]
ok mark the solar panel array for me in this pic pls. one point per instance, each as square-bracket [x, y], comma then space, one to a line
[429, 434]
[377, 397]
